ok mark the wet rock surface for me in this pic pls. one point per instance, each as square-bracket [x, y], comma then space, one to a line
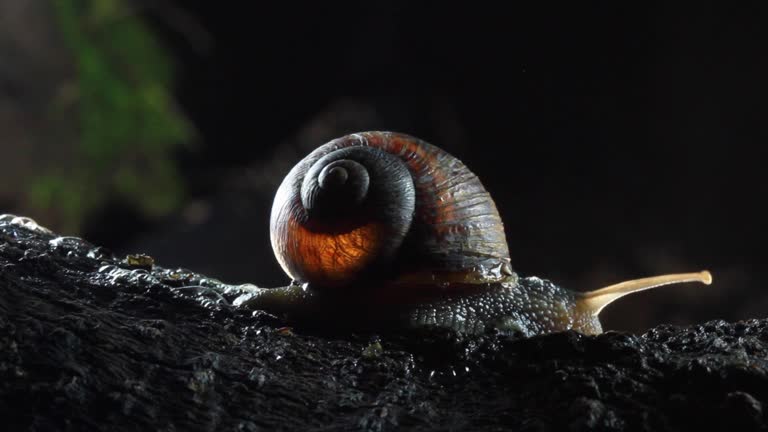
[89, 341]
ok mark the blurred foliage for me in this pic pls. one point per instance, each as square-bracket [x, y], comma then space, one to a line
[128, 124]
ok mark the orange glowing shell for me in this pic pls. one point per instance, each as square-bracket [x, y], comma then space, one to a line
[383, 207]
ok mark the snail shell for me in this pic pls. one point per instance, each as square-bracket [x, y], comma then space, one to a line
[383, 206]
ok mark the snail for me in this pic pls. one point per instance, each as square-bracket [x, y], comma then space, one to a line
[385, 229]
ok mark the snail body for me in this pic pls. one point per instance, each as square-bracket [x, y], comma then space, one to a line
[386, 229]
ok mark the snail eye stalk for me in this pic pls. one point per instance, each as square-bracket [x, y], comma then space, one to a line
[595, 301]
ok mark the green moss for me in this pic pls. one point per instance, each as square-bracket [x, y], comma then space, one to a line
[129, 125]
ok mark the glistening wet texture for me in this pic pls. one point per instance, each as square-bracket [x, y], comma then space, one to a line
[528, 306]
[92, 342]
[531, 306]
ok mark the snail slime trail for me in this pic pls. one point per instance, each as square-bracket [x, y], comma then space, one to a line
[386, 230]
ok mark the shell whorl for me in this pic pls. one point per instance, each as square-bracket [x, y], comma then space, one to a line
[389, 206]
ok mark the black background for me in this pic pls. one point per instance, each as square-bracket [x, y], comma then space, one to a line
[618, 141]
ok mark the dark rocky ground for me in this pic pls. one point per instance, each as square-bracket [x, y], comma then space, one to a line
[89, 341]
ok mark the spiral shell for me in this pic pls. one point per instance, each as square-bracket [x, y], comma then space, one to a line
[386, 207]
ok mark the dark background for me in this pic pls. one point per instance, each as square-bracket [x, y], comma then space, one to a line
[618, 141]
